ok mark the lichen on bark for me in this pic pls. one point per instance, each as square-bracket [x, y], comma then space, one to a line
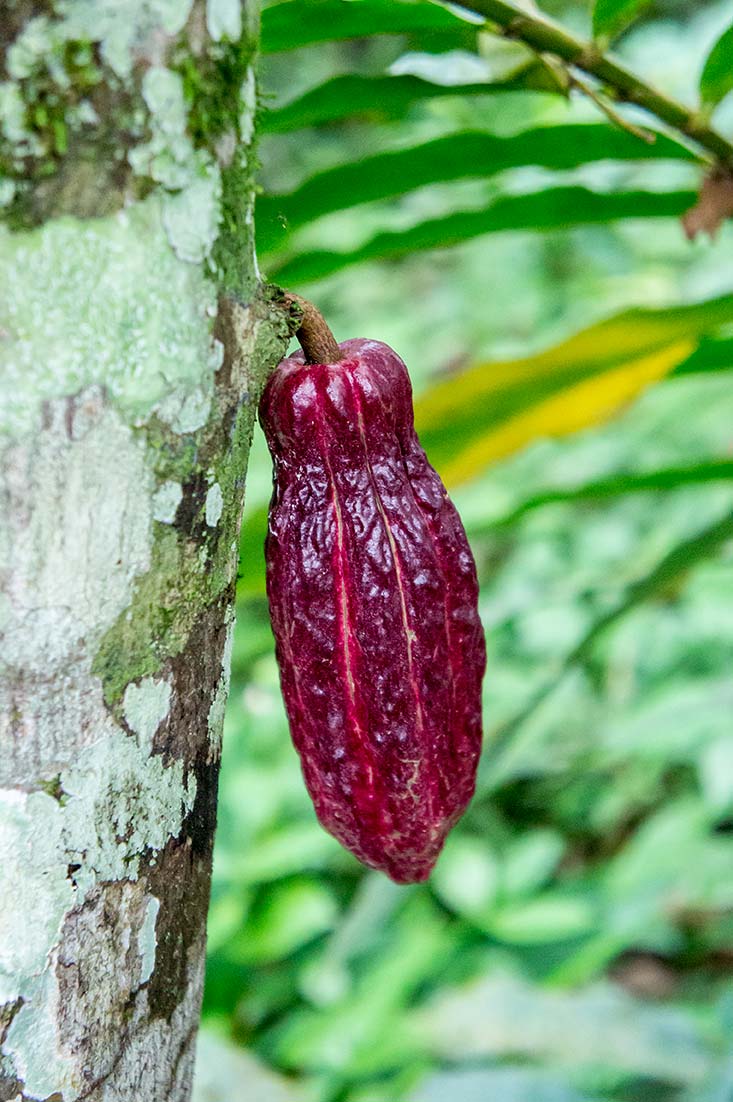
[134, 341]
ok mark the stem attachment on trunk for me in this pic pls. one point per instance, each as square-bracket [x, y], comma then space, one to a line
[316, 339]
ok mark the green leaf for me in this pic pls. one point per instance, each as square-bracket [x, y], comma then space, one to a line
[386, 97]
[292, 24]
[632, 482]
[612, 16]
[678, 561]
[289, 915]
[251, 577]
[328, 977]
[471, 154]
[674, 862]
[509, 1084]
[551, 916]
[358, 1032]
[530, 861]
[222, 1067]
[675, 564]
[284, 852]
[553, 209]
[710, 355]
[491, 409]
[679, 721]
[717, 75]
[466, 878]
[600, 1027]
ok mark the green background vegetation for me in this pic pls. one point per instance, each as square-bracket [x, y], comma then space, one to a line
[575, 942]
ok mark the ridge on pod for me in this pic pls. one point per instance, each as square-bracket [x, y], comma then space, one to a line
[374, 604]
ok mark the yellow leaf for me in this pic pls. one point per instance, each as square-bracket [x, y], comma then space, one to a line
[459, 409]
[575, 407]
[584, 353]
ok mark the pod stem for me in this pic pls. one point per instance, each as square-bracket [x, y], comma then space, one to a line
[315, 338]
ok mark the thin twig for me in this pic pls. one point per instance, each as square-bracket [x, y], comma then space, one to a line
[613, 116]
[544, 36]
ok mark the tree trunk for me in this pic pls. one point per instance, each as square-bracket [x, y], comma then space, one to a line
[134, 339]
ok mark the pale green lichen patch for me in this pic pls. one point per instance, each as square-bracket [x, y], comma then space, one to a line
[31, 824]
[249, 103]
[187, 412]
[218, 704]
[214, 505]
[12, 120]
[146, 939]
[230, 478]
[74, 73]
[105, 101]
[146, 704]
[224, 19]
[36, 41]
[52, 480]
[191, 216]
[168, 157]
[166, 500]
[122, 805]
[190, 175]
[122, 802]
[153, 350]
[122, 30]
[31, 1042]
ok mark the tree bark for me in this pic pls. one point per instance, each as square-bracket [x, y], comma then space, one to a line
[134, 340]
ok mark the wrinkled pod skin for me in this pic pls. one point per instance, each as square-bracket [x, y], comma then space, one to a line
[373, 599]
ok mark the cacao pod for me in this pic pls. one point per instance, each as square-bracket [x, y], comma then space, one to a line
[373, 599]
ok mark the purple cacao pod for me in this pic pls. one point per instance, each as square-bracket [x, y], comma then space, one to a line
[373, 599]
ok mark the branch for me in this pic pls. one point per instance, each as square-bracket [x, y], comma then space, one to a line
[624, 86]
[316, 339]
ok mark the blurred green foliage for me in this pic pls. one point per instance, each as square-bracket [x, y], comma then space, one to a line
[575, 943]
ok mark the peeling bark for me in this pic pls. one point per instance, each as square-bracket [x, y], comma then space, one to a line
[134, 340]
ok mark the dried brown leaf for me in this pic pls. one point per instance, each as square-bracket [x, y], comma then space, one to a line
[713, 207]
